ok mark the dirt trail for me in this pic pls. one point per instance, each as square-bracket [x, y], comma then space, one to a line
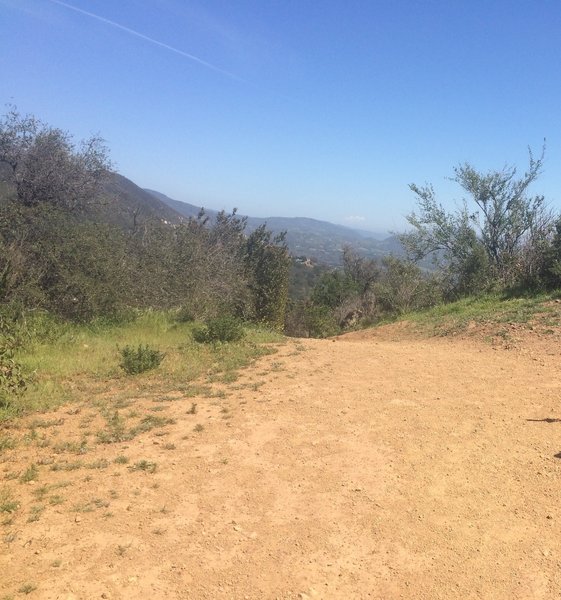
[373, 466]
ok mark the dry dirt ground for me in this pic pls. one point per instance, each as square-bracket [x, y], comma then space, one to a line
[377, 465]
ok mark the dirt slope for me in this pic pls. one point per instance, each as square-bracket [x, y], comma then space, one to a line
[374, 466]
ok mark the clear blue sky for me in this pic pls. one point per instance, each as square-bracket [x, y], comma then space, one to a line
[318, 108]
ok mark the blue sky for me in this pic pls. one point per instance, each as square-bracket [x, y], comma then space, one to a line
[318, 108]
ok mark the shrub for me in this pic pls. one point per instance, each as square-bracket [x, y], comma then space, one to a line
[12, 381]
[320, 322]
[141, 359]
[185, 315]
[221, 329]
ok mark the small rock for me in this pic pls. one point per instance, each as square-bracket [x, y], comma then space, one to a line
[77, 519]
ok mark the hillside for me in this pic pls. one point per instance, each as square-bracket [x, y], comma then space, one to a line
[122, 201]
[125, 204]
[320, 240]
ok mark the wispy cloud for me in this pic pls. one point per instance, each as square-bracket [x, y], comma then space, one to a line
[146, 38]
[355, 219]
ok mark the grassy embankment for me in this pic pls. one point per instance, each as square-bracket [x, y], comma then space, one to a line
[64, 362]
[105, 409]
[494, 311]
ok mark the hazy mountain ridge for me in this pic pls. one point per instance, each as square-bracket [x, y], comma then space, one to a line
[320, 240]
[124, 203]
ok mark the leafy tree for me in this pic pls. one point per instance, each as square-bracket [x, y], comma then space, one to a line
[344, 295]
[332, 289]
[46, 166]
[403, 286]
[488, 243]
[268, 266]
[362, 272]
[54, 255]
[551, 266]
[58, 262]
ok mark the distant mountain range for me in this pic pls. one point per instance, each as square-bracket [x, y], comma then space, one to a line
[319, 240]
[125, 204]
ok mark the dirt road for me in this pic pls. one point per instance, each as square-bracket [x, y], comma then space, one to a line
[374, 466]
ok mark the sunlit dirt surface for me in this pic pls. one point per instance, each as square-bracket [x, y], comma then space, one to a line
[377, 465]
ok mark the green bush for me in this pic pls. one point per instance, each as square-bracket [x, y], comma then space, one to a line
[141, 359]
[185, 315]
[221, 329]
[320, 322]
[12, 381]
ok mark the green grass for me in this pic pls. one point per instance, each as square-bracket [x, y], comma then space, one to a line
[144, 465]
[150, 422]
[30, 474]
[35, 513]
[456, 316]
[8, 503]
[7, 442]
[72, 447]
[90, 505]
[27, 588]
[67, 466]
[73, 362]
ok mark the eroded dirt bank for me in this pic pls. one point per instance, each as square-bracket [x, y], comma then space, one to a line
[373, 466]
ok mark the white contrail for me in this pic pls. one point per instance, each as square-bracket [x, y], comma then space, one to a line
[146, 38]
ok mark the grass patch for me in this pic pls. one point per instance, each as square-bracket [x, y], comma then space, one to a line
[45, 423]
[30, 474]
[115, 431]
[35, 513]
[7, 442]
[101, 463]
[141, 359]
[8, 504]
[72, 362]
[219, 330]
[455, 317]
[90, 505]
[204, 391]
[151, 422]
[71, 447]
[144, 465]
[27, 588]
[67, 466]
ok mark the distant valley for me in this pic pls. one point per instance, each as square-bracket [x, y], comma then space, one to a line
[319, 240]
